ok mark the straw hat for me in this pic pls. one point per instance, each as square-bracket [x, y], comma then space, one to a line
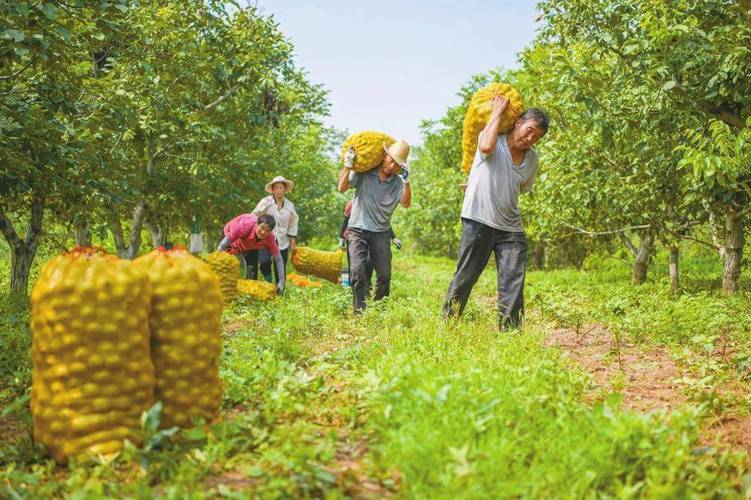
[280, 178]
[398, 152]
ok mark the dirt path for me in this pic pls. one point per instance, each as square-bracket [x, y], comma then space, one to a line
[649, 380]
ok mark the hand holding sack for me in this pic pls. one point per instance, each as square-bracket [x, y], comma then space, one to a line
[478, 115]
[369, 149]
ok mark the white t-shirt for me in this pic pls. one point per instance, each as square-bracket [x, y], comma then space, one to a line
[286, 219]
[493, 187]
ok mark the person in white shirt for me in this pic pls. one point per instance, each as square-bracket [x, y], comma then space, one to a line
[285, 231]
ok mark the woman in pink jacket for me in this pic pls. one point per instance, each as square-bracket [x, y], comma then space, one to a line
[247, 233]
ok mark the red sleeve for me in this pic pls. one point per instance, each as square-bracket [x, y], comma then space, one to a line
[271, 245]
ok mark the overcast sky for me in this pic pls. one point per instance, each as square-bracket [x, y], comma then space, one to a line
[388, 65]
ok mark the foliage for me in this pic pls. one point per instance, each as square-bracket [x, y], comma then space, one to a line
[150, 114]
[398, 402]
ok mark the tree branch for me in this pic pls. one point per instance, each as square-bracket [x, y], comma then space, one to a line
[222, 98]
[135, 237]
[723, 115]
[629, 244]
[6, 227]
[35, 224]
[604, 233]
[117, 234]
[691, 238]
[24, 68]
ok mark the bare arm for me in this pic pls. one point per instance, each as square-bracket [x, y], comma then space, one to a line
[489, 135]
[344, 184]
[406, 195]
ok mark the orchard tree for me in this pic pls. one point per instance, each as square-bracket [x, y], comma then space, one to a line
[186, 97]
[45, 53]
[691, 56]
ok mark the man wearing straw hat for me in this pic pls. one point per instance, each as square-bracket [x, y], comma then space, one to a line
[378, 192]
[285, 231]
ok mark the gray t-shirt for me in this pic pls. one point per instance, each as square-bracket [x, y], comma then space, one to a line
[375, 201]
[493, 187]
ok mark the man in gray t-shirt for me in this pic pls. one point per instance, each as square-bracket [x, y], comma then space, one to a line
[378, 192]
[504, 166]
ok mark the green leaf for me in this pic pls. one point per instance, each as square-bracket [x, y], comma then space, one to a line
[669, 85]
[63, 32]
[15, 35]
[49, 10]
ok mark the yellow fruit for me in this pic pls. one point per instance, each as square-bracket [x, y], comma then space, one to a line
[259, 290]
[478, 114]
[83, 353]
[302, 281]
[227, 268]
[369, 148]
[185, 324]
[318, 263]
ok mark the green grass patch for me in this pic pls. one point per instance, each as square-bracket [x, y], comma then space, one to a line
[318, 403]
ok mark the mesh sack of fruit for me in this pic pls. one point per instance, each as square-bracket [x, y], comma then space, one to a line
[256, 289]
[93, 375]
[185, 324]
[369, 146]
[319, 263]
[302, 281]
[227, 268]
[478, 114]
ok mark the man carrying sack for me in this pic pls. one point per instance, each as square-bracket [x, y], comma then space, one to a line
[378, 192]
[504, 166]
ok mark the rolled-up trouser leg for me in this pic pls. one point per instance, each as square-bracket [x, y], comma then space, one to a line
[474, 252]
[358, 275]
[380, 256]
[511, 261]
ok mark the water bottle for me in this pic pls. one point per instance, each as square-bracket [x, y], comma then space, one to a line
[344, 276]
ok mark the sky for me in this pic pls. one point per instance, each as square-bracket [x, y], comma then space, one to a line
[390, 64]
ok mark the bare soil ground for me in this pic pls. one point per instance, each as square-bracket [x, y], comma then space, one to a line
[648, 379]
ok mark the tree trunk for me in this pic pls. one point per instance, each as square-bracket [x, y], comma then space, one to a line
[20, 261]
[23, 251]
[733, 250]
[158, 234]
[539, 255]
[82, 235]
[675, 283]
[641, 254]
[130, 249]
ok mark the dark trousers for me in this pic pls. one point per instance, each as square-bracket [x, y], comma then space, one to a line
[252, 259]
[477, 243]
[365, 246]
[368, 268]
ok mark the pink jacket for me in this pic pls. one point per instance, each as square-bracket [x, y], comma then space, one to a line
[242, 233]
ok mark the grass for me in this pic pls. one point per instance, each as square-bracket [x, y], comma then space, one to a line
[397, 402]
